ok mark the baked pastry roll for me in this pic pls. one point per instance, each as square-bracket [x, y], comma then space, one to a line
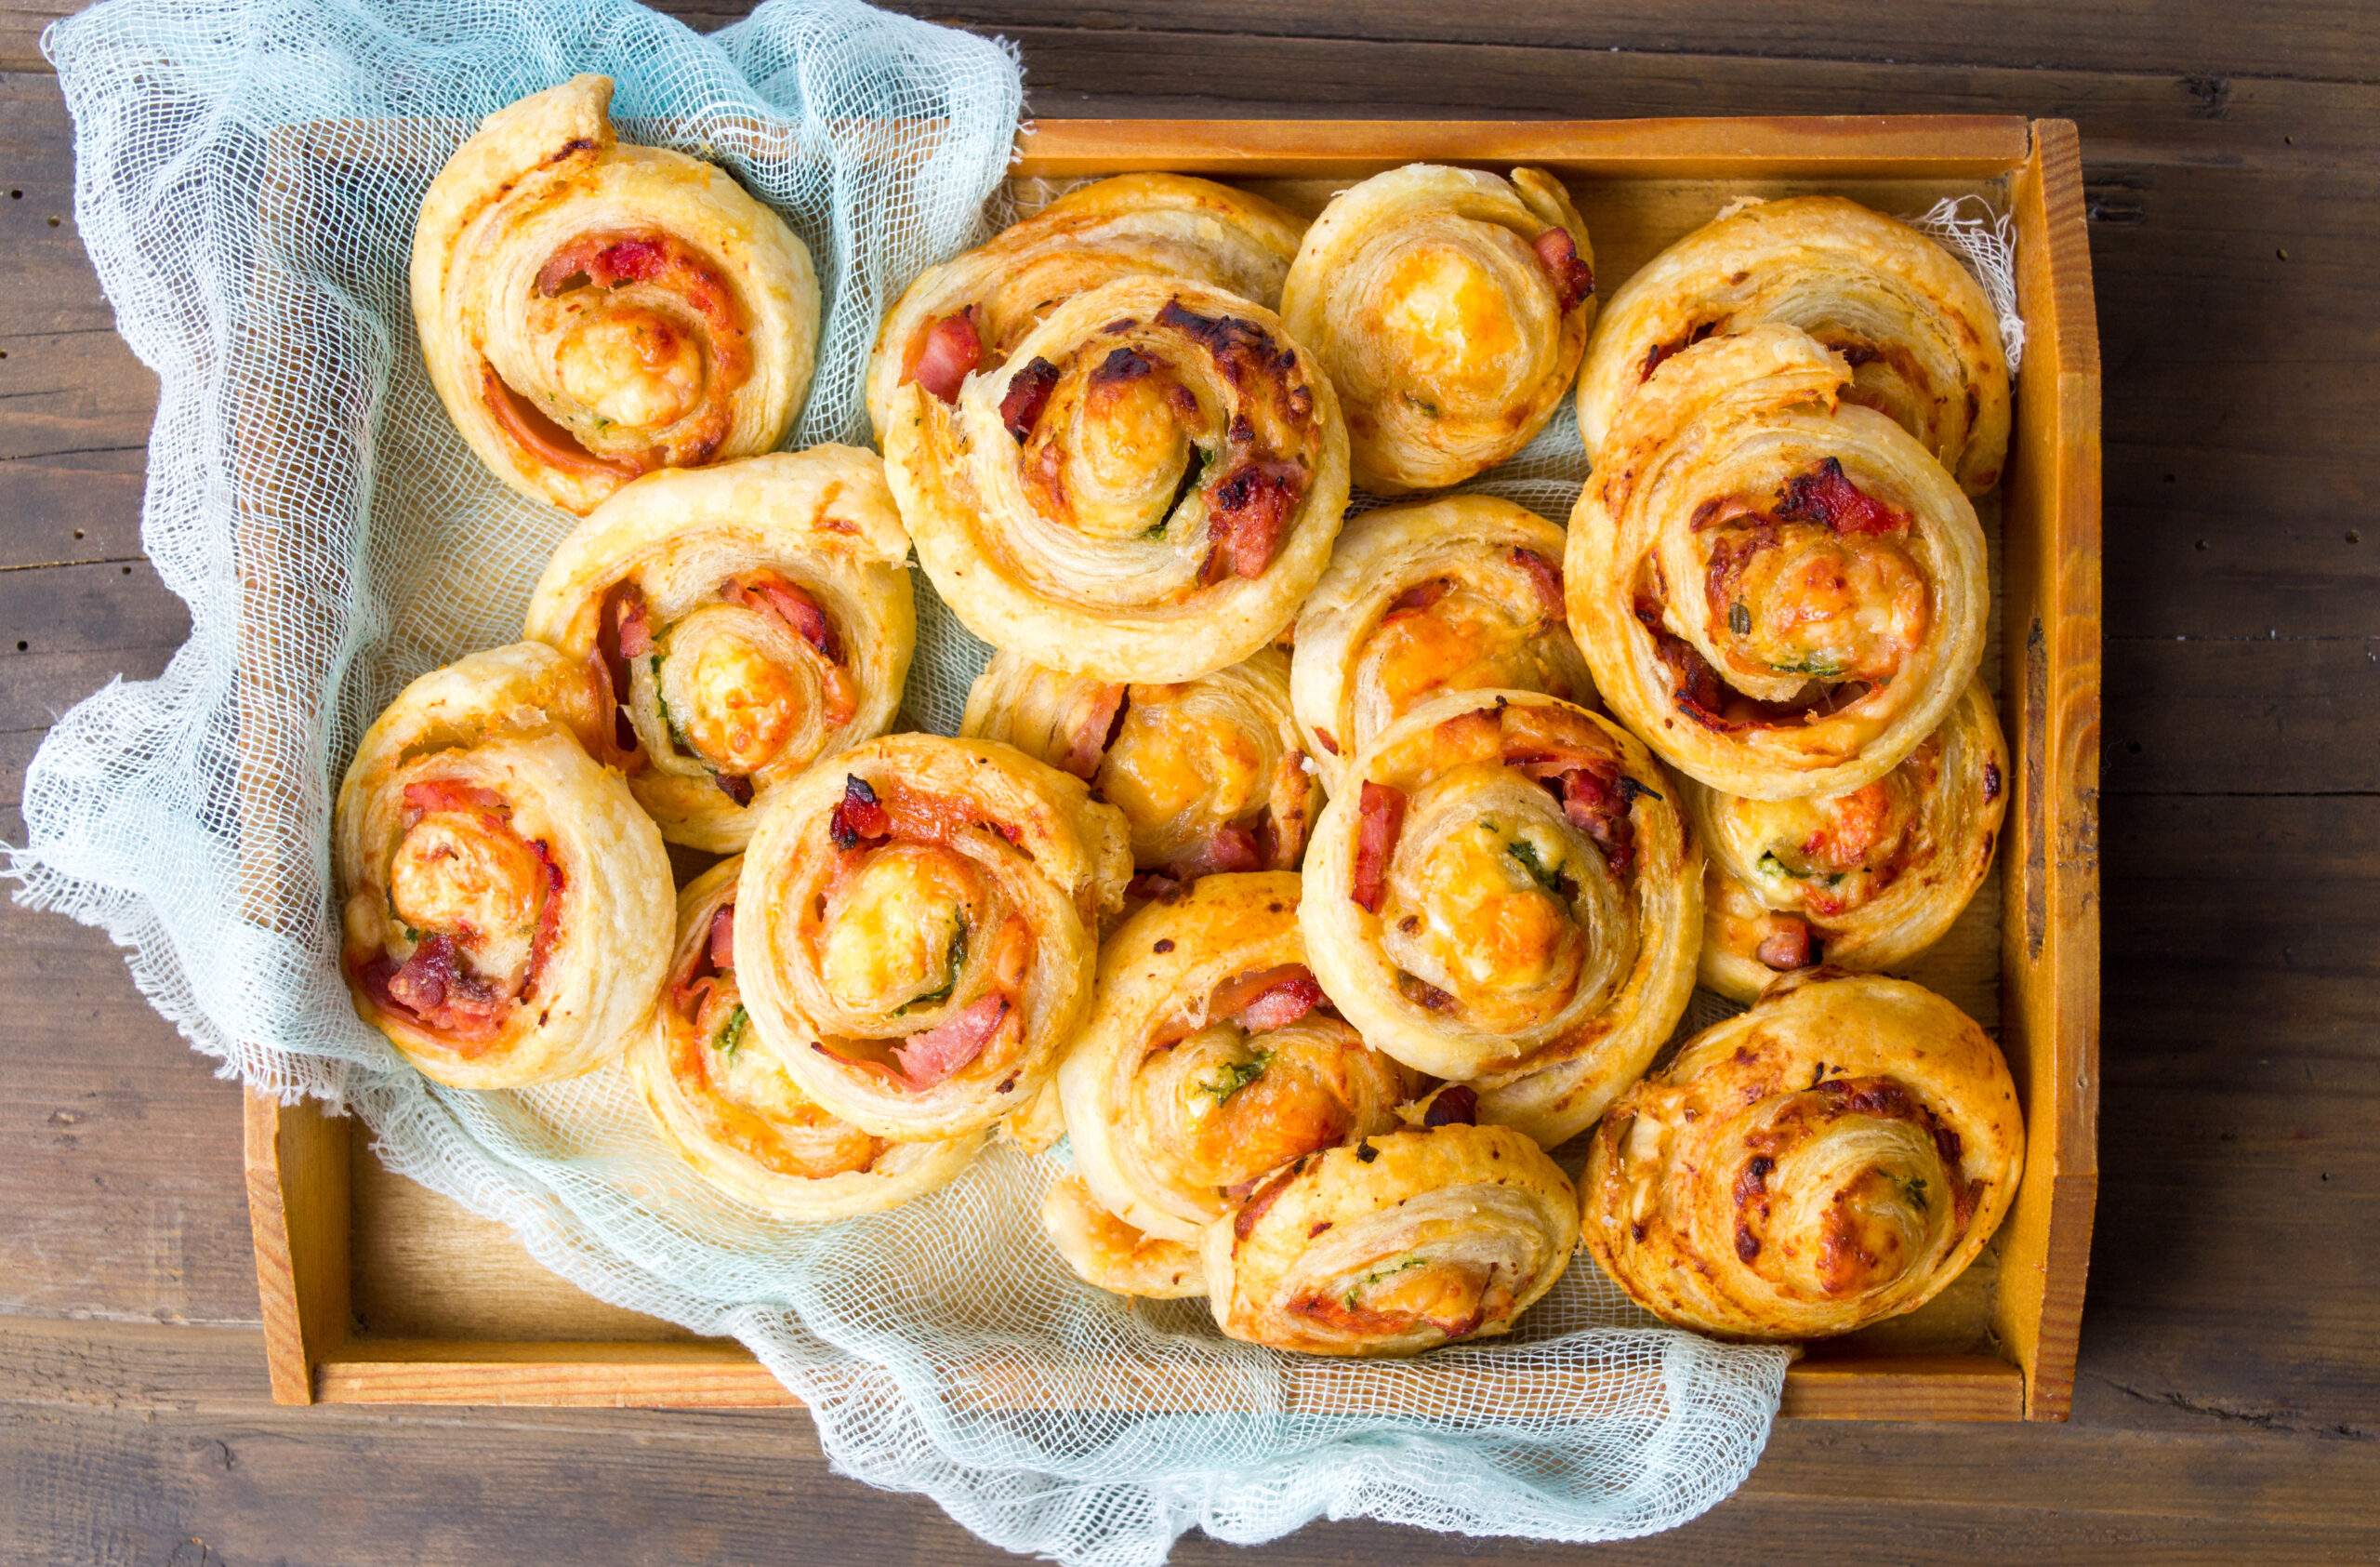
[1104, 1251]
[591, 311]
[1459, 593]
[1211, 1056]
[1915, 328]
[743, 620]
[1145, 490]
[1423, 1236]
[916, 930]
[1208, 772]
[505, 905]
[735, 1115]
[1450, 307]
[1781, 591]
[1863, 880]
[1830, 1158]
[968, 314]
[1506, 885]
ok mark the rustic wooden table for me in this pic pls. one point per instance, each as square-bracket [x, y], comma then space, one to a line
[2228, 1401]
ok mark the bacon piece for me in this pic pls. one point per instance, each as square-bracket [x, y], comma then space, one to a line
[1028, 394]
[1699, 687]
[1094, 731]
[436, 986]
[1664, 351]
[735, 786]
[951, 350]
[1546, 578]
[623, 607]
[1455, 1104]
[1827, 495]
[772, 594]
[1246, 512]
[1151, 886]
[1227, 848]
[425, 796]
[930, 1057]
[541, 946]
[1419, 596]
[858, 816]
[1328, 742]
[722, 936]
[1558, 254]
[1244, 1224]
[1787, 945]
[1271, 998]
[1380, 818]
[1597, 805]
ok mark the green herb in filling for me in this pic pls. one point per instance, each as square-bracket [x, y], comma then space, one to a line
[950, 981]
[1237, 1076]
[1369, 1280]
[1526, 852]
[730, 1036]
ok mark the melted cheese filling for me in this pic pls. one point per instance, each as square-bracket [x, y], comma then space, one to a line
[484, 887]
[635, 368]
[890, 927]
[1825, 607]
[1450, 322]
[1170, 770]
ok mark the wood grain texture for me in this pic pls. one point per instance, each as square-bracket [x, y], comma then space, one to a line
[2228, 1403]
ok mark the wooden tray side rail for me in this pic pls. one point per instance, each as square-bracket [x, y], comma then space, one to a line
[303, 1203]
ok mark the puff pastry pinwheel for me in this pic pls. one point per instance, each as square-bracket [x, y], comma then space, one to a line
[1506, 886]
[744, 620]
[505, 905]
[1211, 1056]
[1145, 490]
[1450, 307]
[735, 1115]
[1916, 329]
[592, 309]
[1435, 1233]
[1781, 591]
[968, 314]
[1830, 1158]
[1458, 594]
[1209, 772]
[916, 930]
[1103, 1250]
[1859, 881]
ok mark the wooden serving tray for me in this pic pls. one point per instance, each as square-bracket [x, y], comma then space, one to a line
[374, 1290]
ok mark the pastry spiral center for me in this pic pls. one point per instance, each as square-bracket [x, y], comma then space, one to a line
[1445, 318]
[468, 875]
[1463, 641]
[727, 690]
[1799, 600]
[1825, 853]
[898, 928]
[1845, 1193]
[1174, 768]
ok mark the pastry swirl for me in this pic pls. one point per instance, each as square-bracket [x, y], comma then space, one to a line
[968, 314]
[1782, 591]
[744, 620]
[734, 1113]
[1830, 1158]
[916, 930]
[1423, 1236]
[1209, 772]
[1861, 880]
[1450, 307]
[1211, 1056]
[1506, 885]
[1104, 1251]
[1458, 594]
[1145, 491]
[505, 905]
[591, 311]
[1917, 330]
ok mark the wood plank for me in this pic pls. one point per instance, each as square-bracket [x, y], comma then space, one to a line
[296, 1158]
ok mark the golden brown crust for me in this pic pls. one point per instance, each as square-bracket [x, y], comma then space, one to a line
[504, 904]
[735, 1116]
[1830, 1158]
[1783, 593]
[1451, 307]
[1211, 1056]
[1507, 888]
[1396, 1244]
[590, 309]
[1462, 592]
[1104, 1251]
[771, 601]
[1145, 490]
[1918, 330]
[1151, 225]
[1862, 881]
[915, 929]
